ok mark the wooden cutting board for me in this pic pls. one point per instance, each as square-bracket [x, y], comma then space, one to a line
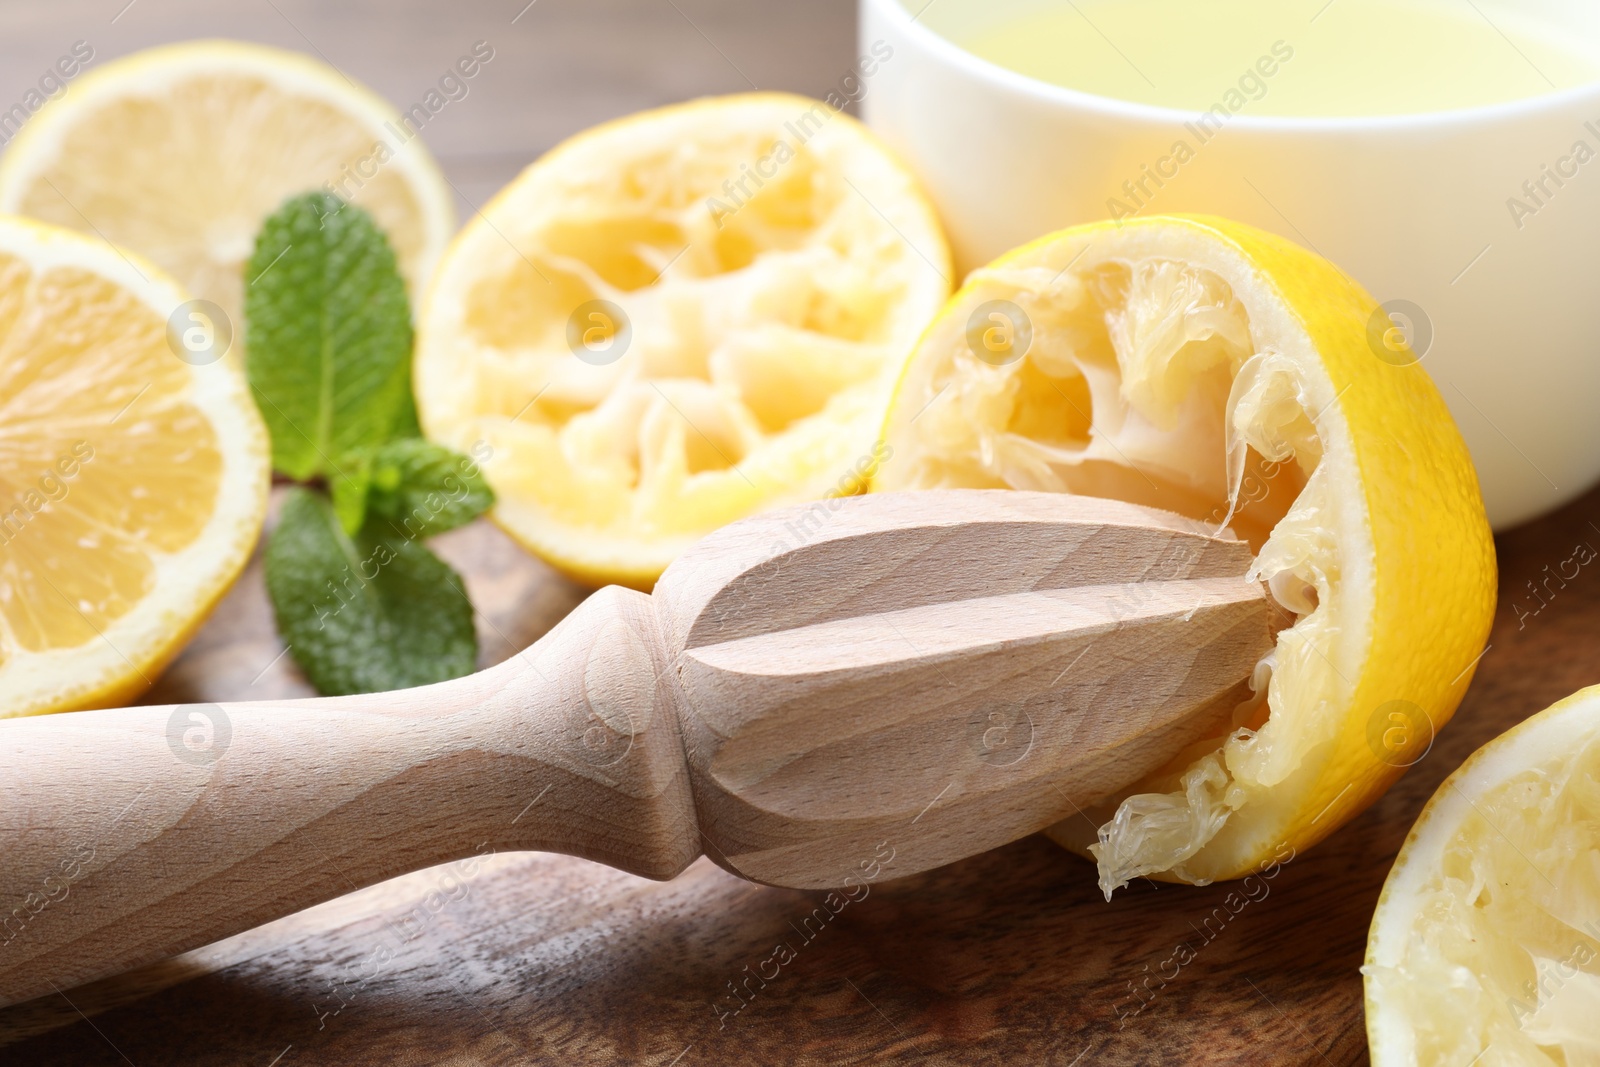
[1007, 958]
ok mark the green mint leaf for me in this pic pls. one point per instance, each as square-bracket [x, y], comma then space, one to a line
[327, 334]
[405, 420]
[349, 485]
[364, 614]
[418, 489]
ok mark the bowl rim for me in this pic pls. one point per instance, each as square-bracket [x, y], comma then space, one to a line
[950, 54]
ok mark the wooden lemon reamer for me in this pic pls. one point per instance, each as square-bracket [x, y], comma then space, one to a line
[944, 671]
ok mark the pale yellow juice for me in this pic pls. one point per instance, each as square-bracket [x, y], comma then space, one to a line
[1347, 57]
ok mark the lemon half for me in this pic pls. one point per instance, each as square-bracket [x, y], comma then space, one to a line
[677, 319]
[181, 152]
[1485, 946]
[133, 483]
[1208, 368]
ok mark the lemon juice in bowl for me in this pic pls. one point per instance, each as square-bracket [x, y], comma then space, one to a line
[1303, 58]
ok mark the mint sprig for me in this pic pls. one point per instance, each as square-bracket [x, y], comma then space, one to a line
[361, 602]
[409, 623]
[421, 489]
[328, 332]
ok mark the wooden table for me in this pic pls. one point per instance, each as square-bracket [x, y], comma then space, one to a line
[1008, 958]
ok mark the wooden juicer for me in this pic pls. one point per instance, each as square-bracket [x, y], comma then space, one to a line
[940, 672]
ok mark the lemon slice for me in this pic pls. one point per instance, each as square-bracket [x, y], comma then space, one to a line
[1208, 368]
[677, 319]
[180, 152]
[133, 483]
[1485, 946]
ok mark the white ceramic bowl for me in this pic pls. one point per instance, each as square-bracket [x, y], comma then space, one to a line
[1504, 306]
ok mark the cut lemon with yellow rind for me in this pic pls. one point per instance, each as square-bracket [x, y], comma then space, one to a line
[181, 152]
[1205, 367]
[133, 483]
[675, 320]
[1485, 946]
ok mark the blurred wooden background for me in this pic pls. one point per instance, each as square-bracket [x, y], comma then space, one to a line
[560, 66]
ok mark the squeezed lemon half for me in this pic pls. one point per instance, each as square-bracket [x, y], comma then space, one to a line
[133, 483]
[1208, 368]
[1485, 945]
[180, 152]
[677, 319]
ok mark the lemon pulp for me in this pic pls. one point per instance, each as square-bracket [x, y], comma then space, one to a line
[1486, 945]
[127, 504]
[82, 557]
[1127, 391]
[180, 152]
[678, 319]
[1201, 366]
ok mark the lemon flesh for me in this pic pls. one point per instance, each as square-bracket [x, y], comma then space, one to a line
[132, 483]
[181, 152]
[675, 320]
[1485, 946]
[1207, 368]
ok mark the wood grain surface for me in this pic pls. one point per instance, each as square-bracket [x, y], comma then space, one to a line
[1007, 958]
[921, 678]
